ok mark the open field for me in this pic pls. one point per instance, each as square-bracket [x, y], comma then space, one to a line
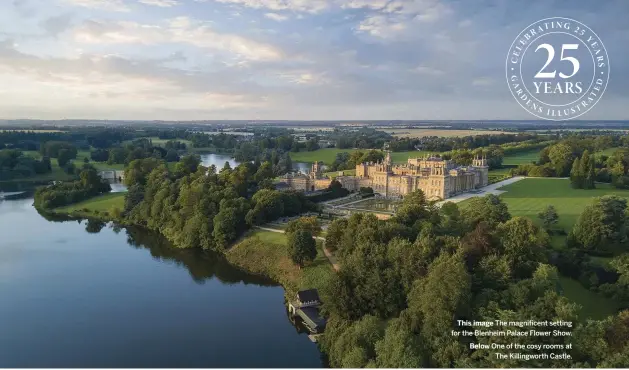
[326, 155]
[102, 203]
[422, 132]
[78, 163]
[530, 196]
[521, 158]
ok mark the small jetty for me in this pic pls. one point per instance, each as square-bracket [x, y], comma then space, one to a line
[306, 307]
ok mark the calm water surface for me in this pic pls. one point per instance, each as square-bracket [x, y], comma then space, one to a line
[219, 160]
[86, 294]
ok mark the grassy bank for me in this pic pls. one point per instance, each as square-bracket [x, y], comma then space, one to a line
[102, 206]
[266, 253]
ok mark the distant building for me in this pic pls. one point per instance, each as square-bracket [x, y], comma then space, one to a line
[436, 177]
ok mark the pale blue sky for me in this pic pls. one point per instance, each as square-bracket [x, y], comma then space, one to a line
[281, 59]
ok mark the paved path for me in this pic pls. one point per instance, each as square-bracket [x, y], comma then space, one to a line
[489, 189]
[327, 253]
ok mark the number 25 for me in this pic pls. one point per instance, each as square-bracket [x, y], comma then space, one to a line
[551, 55]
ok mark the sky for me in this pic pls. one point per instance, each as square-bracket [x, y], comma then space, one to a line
[282, 59]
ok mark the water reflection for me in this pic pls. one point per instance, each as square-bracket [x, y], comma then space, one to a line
[83, 293]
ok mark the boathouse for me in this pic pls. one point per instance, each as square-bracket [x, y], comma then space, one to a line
[306, 307]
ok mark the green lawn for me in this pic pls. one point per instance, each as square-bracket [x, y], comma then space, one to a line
[326, 155]
[593, 305]
[269, 257]
[100, 204]
[521, 158]
[270, 237]
[529, 196]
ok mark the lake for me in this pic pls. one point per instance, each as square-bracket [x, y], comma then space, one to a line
[87, 294]
[219, 160]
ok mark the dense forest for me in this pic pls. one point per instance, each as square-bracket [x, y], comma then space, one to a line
[444, 144]
[574, 157]
[14, 164]
[64, 193]
[404, 283]
[195, 206]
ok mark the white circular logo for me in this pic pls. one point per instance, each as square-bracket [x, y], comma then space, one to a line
[557, 68]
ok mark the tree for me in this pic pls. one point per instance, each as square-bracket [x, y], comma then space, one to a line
[435, 302]
[412, 209]
[302, 247]
[64, 156]
[576, 175]
[265, 171]
[187, 165]
[310, 224]
[523, 244]
[587, 170]
[561, 157]
[171, 156]
[590, 176]
[138, 170]
[489, 209]
[133, 197]
[334, 236]
[399, 348]
[602, 225]
[549, 217]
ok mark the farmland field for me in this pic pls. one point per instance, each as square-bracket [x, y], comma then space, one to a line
[422, 132]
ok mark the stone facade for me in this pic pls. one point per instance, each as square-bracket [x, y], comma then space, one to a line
[436, 177]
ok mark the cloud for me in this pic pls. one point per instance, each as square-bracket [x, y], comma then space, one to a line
[276, 17]
[308, 6]
[109, 5]
[57, 24]
[177, 30]
[429, 71]
[160, 3]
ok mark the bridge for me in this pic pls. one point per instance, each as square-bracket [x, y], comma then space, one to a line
[112, 175]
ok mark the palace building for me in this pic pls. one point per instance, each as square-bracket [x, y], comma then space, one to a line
[438, 178]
